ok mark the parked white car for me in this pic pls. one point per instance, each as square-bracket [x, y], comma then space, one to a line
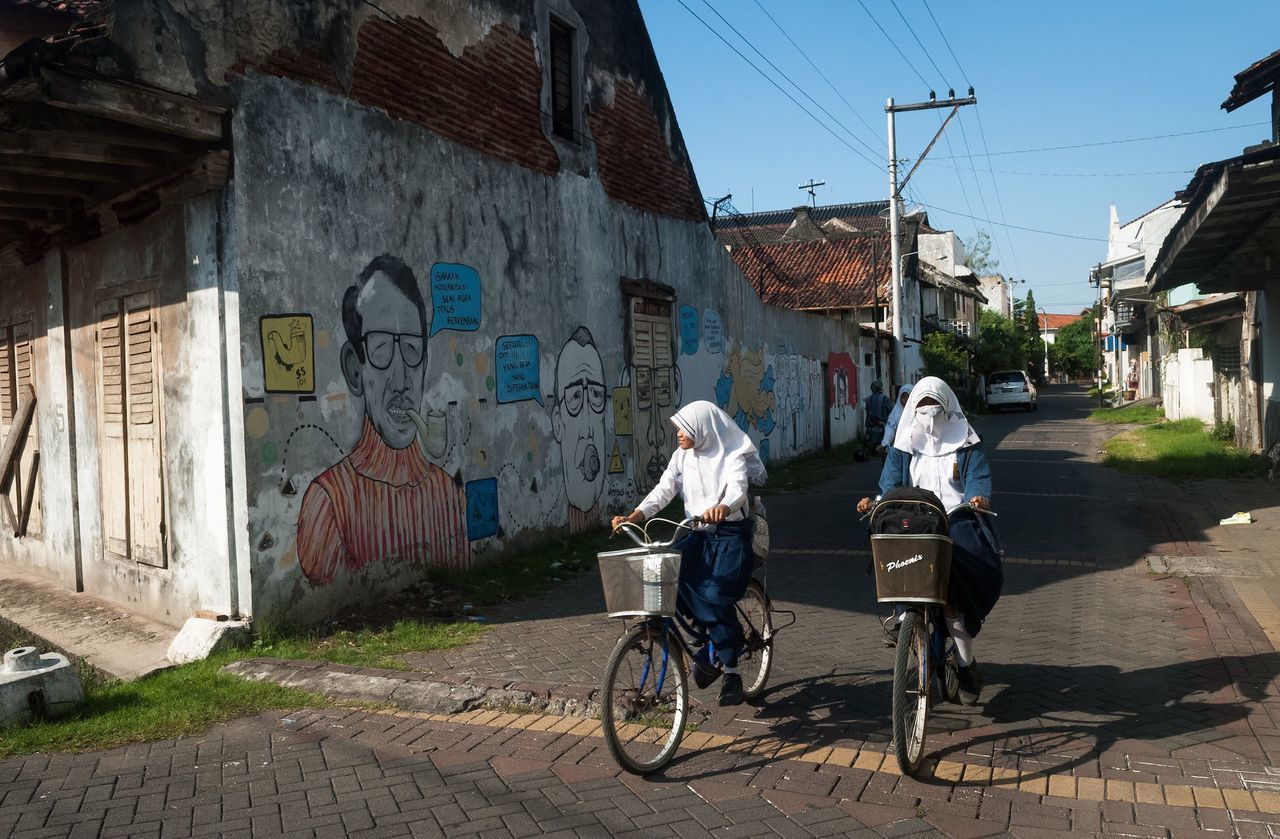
[1011, 388]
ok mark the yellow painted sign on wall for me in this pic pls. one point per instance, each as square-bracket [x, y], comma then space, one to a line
[288, 354]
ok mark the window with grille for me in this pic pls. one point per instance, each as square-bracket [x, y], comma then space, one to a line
[17, 373]
[1226, 360]
[563, 76]
[129, 430]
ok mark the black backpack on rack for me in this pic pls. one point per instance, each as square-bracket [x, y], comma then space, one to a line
[908, 511]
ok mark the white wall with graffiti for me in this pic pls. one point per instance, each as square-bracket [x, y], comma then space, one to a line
[469, 352]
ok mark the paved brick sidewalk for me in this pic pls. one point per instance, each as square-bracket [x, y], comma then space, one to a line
[1118, 701]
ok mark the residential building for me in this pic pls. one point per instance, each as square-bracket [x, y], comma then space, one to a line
[1051, 323]
[301, 300]
[995, 287]
[835, 260]
[1223, 244]
[1132, 349]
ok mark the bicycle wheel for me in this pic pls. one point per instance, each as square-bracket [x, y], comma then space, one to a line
[757, 628]
[910, 692]
[950, 672]
[645, 700]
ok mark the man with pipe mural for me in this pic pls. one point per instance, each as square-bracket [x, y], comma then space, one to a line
[384, 501]
[577, 421]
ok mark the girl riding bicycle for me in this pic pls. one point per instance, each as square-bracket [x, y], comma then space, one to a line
[936, 449]
[710, 471]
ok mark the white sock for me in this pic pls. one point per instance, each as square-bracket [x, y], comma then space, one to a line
[963, 641]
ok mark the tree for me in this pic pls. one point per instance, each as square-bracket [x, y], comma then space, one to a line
[1074, 350]
[979, 259]
[945, 358]
[997, 346]
[1027, 321]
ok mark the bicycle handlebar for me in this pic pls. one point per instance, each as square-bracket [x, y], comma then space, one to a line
[627, 528]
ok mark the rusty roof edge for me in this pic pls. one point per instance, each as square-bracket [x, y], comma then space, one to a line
[1253, 81]
[1203, 192]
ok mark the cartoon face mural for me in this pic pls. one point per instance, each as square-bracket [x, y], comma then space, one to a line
[746, 390]
[577, 420]
[384, 500]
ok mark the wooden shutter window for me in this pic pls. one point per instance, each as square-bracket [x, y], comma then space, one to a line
[7, 395]
[111, 443]
[110, 363]
[141, 366]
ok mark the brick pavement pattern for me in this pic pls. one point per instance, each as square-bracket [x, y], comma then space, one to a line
[1118, 701]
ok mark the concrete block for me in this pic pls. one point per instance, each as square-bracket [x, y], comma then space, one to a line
[201, 638]
[34, 685]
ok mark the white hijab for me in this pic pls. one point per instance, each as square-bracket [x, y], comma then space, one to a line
[718, 443]
[950, 430]
[896, 414]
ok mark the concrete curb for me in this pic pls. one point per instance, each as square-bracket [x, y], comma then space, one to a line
[414, 691]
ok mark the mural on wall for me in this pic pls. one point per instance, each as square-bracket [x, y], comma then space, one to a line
[384, 501]
[745, 390]
[482, 508]
[654, 379]
[577, 422]
[712, 332]
[288, 354]
[623, 422]
[455, 297]
[518, 368]
[690, 335]
[842, 392]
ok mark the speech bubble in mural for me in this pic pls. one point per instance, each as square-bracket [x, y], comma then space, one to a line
[455, 297]
[482, 508]
[518, 369]
[712, 332]
[690, 336]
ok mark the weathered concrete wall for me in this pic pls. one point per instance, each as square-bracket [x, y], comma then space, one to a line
[33, 298]
[173, 256]
[534, 411]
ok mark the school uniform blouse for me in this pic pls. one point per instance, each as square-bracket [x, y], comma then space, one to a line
[971, 474]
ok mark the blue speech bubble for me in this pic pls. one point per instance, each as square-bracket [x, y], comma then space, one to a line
[455, 297]
[712, 332]
[519, 375]
[482, 508]
[689, 335]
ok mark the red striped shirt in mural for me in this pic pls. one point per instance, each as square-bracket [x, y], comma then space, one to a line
[381, 504]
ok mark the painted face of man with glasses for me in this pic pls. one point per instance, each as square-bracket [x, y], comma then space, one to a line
[384, 359]
[578, 418]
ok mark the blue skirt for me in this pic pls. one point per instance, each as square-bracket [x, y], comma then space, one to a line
[977, 572]
[715, 567]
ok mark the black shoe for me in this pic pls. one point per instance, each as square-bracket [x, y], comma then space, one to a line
[970, 679]
[731, 690]
[704, 672]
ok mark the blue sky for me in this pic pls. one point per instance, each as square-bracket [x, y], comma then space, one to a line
[1045, 74]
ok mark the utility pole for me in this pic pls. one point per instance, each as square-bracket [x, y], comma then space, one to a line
[1095, 279]
[895, 210]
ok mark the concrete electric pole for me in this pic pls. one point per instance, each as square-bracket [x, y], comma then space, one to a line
[895, 211]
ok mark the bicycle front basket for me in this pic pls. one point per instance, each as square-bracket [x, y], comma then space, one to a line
[639, 582]
[911, 569]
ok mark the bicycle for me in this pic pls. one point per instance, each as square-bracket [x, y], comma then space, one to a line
[644, 699]
[912, 572]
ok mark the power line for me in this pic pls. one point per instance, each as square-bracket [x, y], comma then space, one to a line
[781, 90]
[1125, 140]
[963, 74]
[806, 57]
[779, 71]
[893, 43]
[1080, 174]
[919, 43]
[1013, 226]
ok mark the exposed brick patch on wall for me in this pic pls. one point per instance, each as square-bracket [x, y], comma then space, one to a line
[636, 166]
[307, 66]
[489, 99]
